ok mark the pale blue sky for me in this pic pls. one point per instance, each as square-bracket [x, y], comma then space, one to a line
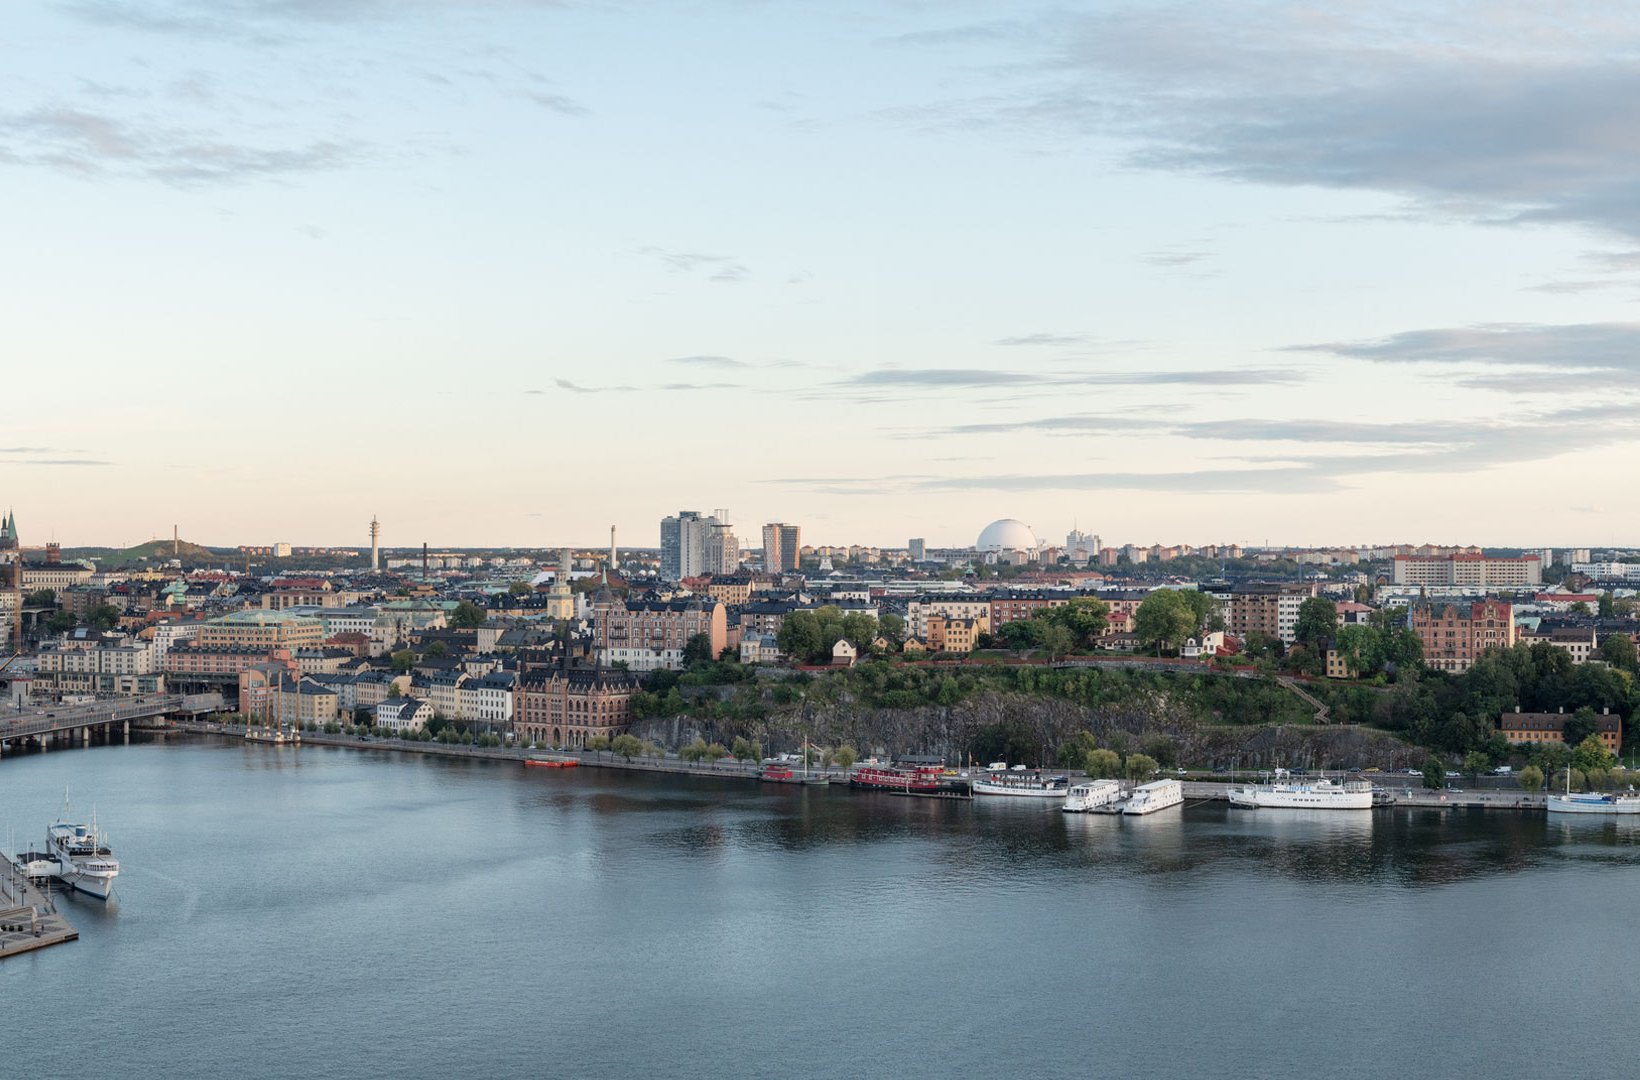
[509, 272]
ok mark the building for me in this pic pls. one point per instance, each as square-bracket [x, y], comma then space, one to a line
[1455, 634]
[306, 702]
[402, 715]
[781, 544]
[1270, 609]
[188, 663]
[262, 629]
[489, 699]
[974, 606]
[1580, 642]
[1468, 568]
[1532, 727]
[952, 634]
[1338, 666]
[566, 706]
[692, 545]
[649, 634]
[918, 549]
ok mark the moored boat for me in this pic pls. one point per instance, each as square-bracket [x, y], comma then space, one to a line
[1094, 794]
[1593, 803]
[550, 763]
[1322, 794]
[84, 860]
[779, 773]
[891, 778]
[1022, 784]
[1154, 796]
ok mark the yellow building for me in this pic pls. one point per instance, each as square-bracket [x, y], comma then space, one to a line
[262, 630]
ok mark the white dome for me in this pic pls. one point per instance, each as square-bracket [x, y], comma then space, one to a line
[1007, 535]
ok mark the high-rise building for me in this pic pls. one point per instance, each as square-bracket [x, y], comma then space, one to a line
[692, 545]
[919, 549]
[781, 543]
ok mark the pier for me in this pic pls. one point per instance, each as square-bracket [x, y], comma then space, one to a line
[29, 919]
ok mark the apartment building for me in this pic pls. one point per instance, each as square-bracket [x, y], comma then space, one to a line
[1455, 634]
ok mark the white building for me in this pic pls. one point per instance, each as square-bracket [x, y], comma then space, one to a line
[403, 715]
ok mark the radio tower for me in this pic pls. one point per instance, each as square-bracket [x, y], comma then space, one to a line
[375, 544]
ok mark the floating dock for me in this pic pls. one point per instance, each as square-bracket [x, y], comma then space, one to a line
[28, 917]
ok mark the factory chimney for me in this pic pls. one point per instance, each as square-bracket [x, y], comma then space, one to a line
[614, 560]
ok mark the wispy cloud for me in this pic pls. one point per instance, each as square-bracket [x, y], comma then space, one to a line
[558, 103]
[982, 378]
[576, 388]
[719, 268]
[709, 361]
[92, 144]
[1043, 339]
[1475, 354]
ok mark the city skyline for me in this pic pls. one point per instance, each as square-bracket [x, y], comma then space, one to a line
[505, 274]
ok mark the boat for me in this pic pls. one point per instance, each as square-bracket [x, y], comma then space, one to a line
[1154, 796]
[1322, 794]
[779, 773]
[1092, 795]
[1594, 803]
[550, 763]
[891, 778]
[84, 860]
[1022, 784]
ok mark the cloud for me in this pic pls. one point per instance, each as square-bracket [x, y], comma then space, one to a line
[983, 378]
[1558, 350]
[1175, 259]
[709, 361]
[1043, 339]
[720, 268]
[59, 461]
[575, 388]
[1505, 113]
[91, 144]
[558, 103]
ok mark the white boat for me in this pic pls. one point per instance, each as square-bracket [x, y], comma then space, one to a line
[1322, 794]
[1021, 784]
[1092, 795]
[1154, 796]
[84, 860]
[1594, 803]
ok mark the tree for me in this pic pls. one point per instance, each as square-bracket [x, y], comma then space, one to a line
[394, 692]
[694, 751]
[1082, 617]
[1140, 767]
[519, 588]
[1057, 640]
[844, 756]
[1579, 727]
[1606, 607]
[61, 622]
[1590, 754]
[1434, 773]
[697, 650]
[1476, 762]
[627, 746]
[1618, 651]
[801, 638]
[1317, 623]
[103, 617]
[404, 660]
[1102, 764]
[893, 628]
[1164, 619]
[436, 649]
[1022, 634]
[717, 751]
[1531, 778]
[745, 750]
[598, 744]
[40, 598]
[468, 615]
[1580, 608]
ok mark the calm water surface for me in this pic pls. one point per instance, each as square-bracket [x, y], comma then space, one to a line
[338, 913]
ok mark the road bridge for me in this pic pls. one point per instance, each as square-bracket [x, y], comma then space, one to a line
[64, 724]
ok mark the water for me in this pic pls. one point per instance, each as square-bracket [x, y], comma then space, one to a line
[336, 913]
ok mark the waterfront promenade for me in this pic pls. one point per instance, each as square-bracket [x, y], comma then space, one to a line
[29, 918]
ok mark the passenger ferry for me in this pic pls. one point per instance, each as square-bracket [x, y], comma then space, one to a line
[1023, 784]
[83, 858]
[1322, 794]
[1154, 796]
[1092, 795]
[878, 778]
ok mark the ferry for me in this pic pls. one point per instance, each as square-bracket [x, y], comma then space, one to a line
[879, 778]
[1092, 795]
[1322, 794]
[1022, 784]
[1154, 796]
[1594, 803]
[84, 860]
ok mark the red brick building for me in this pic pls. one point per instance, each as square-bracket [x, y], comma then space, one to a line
[566, 706]
[1455, 634]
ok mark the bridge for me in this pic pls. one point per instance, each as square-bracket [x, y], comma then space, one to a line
[58, 724]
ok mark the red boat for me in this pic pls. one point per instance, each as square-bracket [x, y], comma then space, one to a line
[779, 774]
[894, 779]
[550, 763]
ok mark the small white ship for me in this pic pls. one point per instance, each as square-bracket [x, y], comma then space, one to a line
[1322, 794]
[1020, 783]
[1093, 795]
[1593, 803]
[83, 858]
[1154, 796]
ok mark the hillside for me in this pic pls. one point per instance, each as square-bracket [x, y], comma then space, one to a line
[160, 551]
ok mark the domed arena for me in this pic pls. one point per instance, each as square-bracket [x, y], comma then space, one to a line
[1008, 534]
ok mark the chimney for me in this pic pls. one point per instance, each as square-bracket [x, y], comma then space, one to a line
[176, 542]
[424, 560]
[54, 553]
[614, 560]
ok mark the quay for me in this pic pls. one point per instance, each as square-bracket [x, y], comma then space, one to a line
[29, 919]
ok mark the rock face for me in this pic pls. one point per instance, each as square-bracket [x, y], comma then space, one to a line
[1045, 724]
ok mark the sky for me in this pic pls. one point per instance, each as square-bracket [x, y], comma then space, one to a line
[509, 272]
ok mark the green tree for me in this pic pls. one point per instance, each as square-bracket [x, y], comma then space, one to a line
[435, 650]
[627, 746]
[802, 638]
[1021, 635]
[1580, 608]
[1580, 726]
[519, 588]
[697, 650]
[404, 660]
[1083, 617]
[844, 756]
[745, 750]
[1476, 762]
[1434, 773]
[716, 752]
[1531, 778]
[1102, 764]
[103, 617]
[1164, 619]
[1317, 623]
[695, 751]
[394, 692]
[468, 615]
[1590, 755]
[40, 598]
[1055, 639]
[598, 744]
[1606, 608]
[1618, 651]
[1140, 767]
[893, 628]
[61, 622]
